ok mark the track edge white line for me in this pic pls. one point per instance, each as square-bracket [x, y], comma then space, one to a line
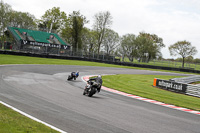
[31, 117]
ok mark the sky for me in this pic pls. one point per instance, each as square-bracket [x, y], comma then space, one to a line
[172, 20]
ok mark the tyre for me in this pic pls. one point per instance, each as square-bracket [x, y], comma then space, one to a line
[69, 77]
[84, 92]
[91, 92]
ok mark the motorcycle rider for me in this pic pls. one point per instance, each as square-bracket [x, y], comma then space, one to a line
[75, 74]
[98, 80]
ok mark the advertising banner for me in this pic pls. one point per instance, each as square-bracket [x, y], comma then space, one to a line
[25, 42]
[169, 85]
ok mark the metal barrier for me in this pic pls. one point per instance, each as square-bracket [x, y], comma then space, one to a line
[189, 79]
[179, 87]
[193, 90]
[103, 58]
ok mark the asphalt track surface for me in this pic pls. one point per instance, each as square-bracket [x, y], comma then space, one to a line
[43, 92]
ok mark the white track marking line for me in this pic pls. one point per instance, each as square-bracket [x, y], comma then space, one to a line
[31, 117]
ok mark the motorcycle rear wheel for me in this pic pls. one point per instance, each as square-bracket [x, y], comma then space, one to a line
[91, 92]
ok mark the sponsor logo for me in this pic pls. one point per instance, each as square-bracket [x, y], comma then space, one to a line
[25, 42]
[171, 85]
[41, 44]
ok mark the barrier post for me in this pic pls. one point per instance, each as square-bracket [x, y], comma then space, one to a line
[154, 81]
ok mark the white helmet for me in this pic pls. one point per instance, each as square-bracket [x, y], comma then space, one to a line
[99, 76]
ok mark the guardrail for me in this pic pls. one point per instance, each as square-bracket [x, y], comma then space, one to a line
[179, 87]
[193, 90]
[189, 79]
[93, 58]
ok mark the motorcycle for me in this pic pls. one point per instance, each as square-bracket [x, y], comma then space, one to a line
[73, 76]
[90, 88]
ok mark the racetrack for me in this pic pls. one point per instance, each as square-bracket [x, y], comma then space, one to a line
[43, 92]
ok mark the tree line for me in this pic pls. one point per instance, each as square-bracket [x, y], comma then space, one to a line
[99, 39]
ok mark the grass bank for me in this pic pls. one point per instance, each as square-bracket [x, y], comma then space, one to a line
[166, 63]
[10, 121]
[13, 122]
[13, 59]
[141, 85]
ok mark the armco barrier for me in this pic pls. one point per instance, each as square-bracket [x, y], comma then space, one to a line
[189, 79]
[97, 60]
[188, 89]
[193, 90]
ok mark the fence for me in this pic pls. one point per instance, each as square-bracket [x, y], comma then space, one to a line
[37, 50]
[193, 90]
[59, 53]
[186, 80]
[103, 56]
[168, 63]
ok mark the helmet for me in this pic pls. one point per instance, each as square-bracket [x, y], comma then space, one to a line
[77, 73]
[99, 76]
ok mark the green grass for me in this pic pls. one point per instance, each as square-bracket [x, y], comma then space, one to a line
[141, 85]
[13, 59]
[194, 83]
[13, 122]
[167, 63]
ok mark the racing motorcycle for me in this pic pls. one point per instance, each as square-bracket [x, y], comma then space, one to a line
[73, 76]
[90, 88]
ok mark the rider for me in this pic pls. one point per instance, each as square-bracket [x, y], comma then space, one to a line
[75, 74]
[98, 80]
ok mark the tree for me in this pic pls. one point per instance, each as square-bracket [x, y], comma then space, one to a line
[73, 30]
[89, 41]
[22, 20]
[149, 46]
[182, 48]
[54, 19]
[121, 51]
[103, 21]
[189, 59]
[128, 46]
[5, 10]
[197, 60]
[110, 41]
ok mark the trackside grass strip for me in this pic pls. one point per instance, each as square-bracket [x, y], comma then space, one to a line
[12, 59]
[15, 59]
[13, 122]
[141, 85]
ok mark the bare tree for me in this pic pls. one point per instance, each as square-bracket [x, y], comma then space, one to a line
[110, 41]
[128, 46]
[182, 48]
[103, 21]
[89, 41]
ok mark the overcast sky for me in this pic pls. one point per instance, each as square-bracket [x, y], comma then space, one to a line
[172, 20]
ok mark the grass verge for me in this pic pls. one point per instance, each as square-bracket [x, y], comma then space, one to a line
[141, 85]
[10, 121]
[13, 59]
[13, 122]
